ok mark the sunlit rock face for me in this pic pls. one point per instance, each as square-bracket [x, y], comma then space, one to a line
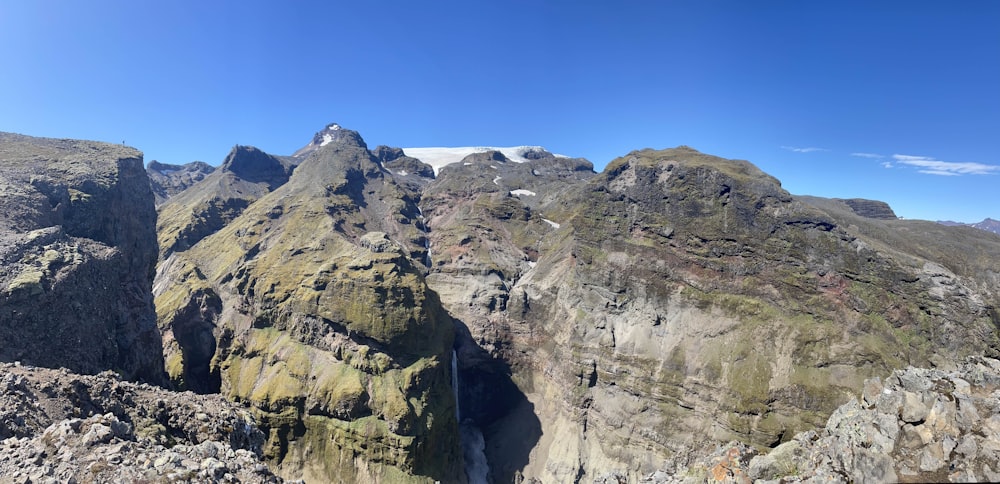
[309, 305]
[678, 300]
[77, 255]
[603, 325]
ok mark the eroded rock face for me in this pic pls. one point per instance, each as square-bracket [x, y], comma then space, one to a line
[77, 255]
[679, 300]
[604, 324]
[871, 208]
[61, 426]
[917, 425]
[309, 307]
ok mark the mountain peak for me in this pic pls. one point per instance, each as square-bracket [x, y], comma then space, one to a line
[254, 165]
[331, 133]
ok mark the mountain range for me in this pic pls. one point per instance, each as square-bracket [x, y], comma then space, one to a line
[499, 314]
[988, 224]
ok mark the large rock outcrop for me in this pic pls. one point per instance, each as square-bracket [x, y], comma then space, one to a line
[870, 208]
[311, 307]
[916, 425]
[678, 300]
[57, 426]
[77, 257]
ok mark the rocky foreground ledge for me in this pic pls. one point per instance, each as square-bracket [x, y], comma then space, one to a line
[919, 425]
[57, 426]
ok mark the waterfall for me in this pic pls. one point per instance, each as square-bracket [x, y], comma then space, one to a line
[474, 450]
[454, 384]
[427, 240]
[477, 468]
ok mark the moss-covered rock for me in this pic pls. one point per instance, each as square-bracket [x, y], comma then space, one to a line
[324, 325]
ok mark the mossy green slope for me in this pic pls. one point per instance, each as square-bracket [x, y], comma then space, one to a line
[688, 299]
[326, 327]
[245, 175]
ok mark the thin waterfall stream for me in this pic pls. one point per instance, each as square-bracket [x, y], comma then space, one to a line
[477, 467]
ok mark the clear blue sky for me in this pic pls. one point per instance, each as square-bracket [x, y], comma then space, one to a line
[798, 88]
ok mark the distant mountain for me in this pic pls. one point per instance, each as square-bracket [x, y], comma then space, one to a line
[989, 225]
[168, 180]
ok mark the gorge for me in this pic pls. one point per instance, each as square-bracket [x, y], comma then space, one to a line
[494, 314]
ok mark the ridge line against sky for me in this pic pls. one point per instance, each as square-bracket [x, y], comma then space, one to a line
[895, 101]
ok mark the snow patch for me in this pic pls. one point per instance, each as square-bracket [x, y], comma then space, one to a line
[532, 263]
[553, 224]
[402, 173]
[327, 139]
[333, 127]
[167, 172]
[520, 191]
[439, 157]
[496, 181]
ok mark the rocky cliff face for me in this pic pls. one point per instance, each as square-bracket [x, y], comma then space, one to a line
[310, 305]
[677, 300]
[870, 208]
[916, 425]
[605, 325]
[77, 257]
[57, 426]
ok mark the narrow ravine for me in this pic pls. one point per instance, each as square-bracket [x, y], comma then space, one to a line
[477, 467]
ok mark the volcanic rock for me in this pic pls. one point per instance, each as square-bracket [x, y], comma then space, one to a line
[77, 256]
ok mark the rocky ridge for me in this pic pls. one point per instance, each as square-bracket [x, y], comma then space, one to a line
[168, 180]
[77, 257]
[310, 306]
[988, 224]
[57, 426]
[916, 425]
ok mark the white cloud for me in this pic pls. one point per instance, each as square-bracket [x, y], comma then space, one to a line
[931, 166]
[872, 156]
[938, 172]
[803, 150]
[886, 164]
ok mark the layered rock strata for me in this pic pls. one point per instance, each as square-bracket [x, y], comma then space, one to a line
[77, 257]
[678, 300]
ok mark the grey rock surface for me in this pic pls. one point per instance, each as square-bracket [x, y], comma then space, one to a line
[168, 180]
[56, 426]
[77, 257]
[918, 425]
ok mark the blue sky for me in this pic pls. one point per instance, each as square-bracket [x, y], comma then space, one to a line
[897, 101]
